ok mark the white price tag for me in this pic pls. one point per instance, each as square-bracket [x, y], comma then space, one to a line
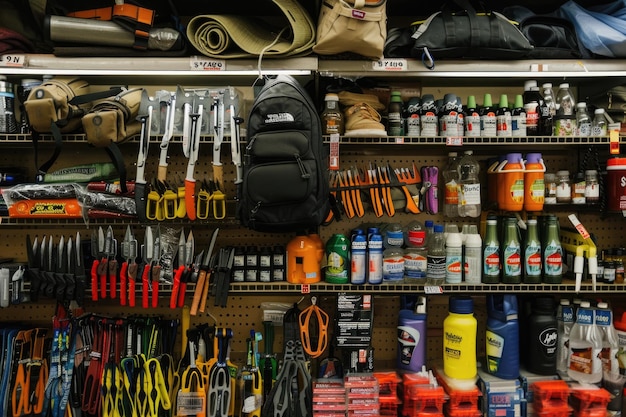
[12, 60]
[334, 152]
[433, 289]
[399, 139]
[390, 64]
[456, 141]
[207, 64]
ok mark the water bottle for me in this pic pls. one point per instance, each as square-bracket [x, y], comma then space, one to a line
[454, 258]
[502, 336]
[583, 120]
[393, 235]
[488, 122]
[436, 258]
[374, 256]
[469, 189]
[585, 345]
[358, 257]
[393, 264]
[451, 190]
[565, 320]
[565, 102]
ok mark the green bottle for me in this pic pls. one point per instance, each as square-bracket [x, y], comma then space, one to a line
[552, 253]
[532, 255]
[337, 260]
[491, 254]
[511, 253]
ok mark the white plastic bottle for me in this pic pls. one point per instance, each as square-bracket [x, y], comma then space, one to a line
[610, 342]
[565, 320]
[469, 189]
[454, 258]
[585, 345]
[473, 258]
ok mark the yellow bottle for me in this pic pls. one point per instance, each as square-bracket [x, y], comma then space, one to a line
[459, 339]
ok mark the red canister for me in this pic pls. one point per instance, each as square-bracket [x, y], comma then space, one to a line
[616, 184]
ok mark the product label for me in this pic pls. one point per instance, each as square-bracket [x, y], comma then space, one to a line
[413, 125]
[533, 260]
[394, 238]
[518, 124]
[537, 190]
[517, 191]
[408, 338]
[488, 124]
[430, 124]
[472, 265]
[495, 347]
[472, 124]
[584, 129]
[580, 359]
[417, 237]
[503, 124]
[453, 269]
[512, 261]
[553, 259]
[393, 268]
[471, 194]
[375, 268]
[336, 267]
[451, 193]
[436, 268]
[415, 265]
[449, 125]
[357, 268]
[492, 261]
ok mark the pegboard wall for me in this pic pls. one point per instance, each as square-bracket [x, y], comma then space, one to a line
[243, 311]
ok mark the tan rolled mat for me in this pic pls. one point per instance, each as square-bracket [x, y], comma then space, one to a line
[230, 36]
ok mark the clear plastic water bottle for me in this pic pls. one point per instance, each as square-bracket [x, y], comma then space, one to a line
[436, 259]
[583, 120]
[469, 190]
[393, 236]
[565, 102]
[451, 190]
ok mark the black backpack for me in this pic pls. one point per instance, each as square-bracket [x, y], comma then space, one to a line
[285, 181]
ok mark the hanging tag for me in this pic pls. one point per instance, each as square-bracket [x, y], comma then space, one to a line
[333, 162]
[614, 142]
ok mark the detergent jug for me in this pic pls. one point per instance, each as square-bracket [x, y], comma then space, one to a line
[511, 183]
[303, 260]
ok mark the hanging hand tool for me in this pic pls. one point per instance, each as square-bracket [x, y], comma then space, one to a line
[168, 131]
[192, 396]
[128, 271]
[185, 261]
[252, 383]
[346, 196]
[34, 264]
[222, 280]
[107, 247]
[203, 203]
[220, 388]
[217, 109]
[148, 255]
[194, 144]
[355, 191]
[235, 136]
[411, 178]
[155, 270]
[219, 200]
[394, 178]
[145, 117]
[268, 364]
[204, 276]
[113, 265]
[313, 324]
[375, 196]
[79, 270]
[383, 180]
[60, 270]
[155, 387]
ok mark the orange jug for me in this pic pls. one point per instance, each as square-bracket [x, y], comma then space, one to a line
[534, 188]
[510, 175]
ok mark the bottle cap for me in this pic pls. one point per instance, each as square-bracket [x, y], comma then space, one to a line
[564, 85]
[598, 111]
[519, 101]
[581, 104]
[533, 158]
[461, 305]
[396, 96]
[438, 228]
[602, 304]
[331, 97]
[429, 223]
[487, 100]
[504, 101]
[546, 85]
[452, 154]
[514, 158]
[471, 102]
[585, 304]
[564, 302]
[528, 84]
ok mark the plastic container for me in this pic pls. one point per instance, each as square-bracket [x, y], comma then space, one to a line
[552, 252]
[412, 337]
[488, 121]
[616, 184]
[518, 118]
[511, 253]
[395, 124]
[548, 110]
[303, 261]
[448, 115]
[541, 338]
[503, 118]
[563, 187]
[502, 336]
[565, 320]
[451, 189]
[610, 342]
[459, 339]
[534, 186]
[532, 107]
[491, 254]
[472, 118]
[511, 183]
[415, 251]
[492, 180]
[332, 116]
[393, 265]
[412, 112]
[583, 120]
[374, 256]
[565, 101]
[469, 196]
[358, 258]
[532, 254]
[429, 116]
[599, 124]
[473, 258]
[454, 258]
[436, 258]
[585, 344]
[337, 260]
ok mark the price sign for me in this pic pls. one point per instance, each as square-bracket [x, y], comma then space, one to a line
[455, 141]
[433, 289]
[391, 64]
[334, 152]
[203, 64]
[305, 289]
[11, 60]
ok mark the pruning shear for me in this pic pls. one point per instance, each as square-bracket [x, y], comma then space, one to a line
[155, 387]
[150, 251]
[220, 389]
[185, 261]
[218, 124]
[169, 104]
[194, 144]
[203, 204]
[107, 248]
[219, 200]
[192, 388]
[128, 271]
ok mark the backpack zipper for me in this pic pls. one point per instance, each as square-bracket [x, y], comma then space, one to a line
[303, 172]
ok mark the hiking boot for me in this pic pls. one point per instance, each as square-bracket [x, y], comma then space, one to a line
[348, 99]
[363, 120]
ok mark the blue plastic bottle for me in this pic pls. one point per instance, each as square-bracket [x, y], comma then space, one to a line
[412, 337]
[502, 336]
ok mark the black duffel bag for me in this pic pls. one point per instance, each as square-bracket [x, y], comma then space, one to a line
[460, 31]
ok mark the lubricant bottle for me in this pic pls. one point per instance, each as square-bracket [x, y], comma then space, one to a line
[454, 258]
[412, 337]
[502, 336]
[518, 118]
[472, 118]
[395, 115]
[459, 339]
[503, 118]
